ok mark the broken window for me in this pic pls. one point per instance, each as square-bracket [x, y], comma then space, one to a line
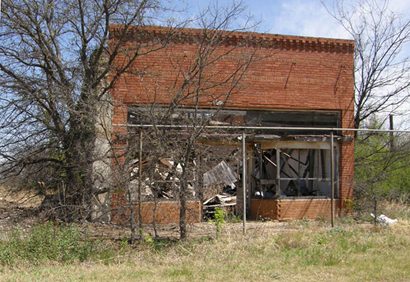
[294, 172]
[319, 119]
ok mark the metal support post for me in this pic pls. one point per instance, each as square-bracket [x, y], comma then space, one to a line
[244, 180]
[332, 179]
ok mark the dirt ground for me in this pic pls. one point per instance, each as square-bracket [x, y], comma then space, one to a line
[19, 209]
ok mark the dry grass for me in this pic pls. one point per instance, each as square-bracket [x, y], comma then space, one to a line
[305, 251]
[19, 197]
[294, 251]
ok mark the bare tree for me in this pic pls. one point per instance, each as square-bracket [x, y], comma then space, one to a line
[382, 70]
[57, 68]
[197, 83]
[54, 62]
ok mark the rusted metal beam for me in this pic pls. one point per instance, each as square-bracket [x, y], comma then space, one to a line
[233, 127]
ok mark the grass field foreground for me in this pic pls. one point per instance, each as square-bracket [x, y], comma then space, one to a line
[311, 252]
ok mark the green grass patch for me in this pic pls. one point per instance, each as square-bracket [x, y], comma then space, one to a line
[49, 242]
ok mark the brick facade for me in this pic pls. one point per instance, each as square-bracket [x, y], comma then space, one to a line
[287, 73]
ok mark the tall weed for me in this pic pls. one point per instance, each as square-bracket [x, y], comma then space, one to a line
[48, 242]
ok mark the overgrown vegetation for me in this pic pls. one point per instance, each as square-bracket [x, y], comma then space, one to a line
[48, 242]
[381, 170]
[310, 252]
[219, 220]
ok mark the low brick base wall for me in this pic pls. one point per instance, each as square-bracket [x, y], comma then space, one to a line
[263, 208]
[164, 212]
[288, 209]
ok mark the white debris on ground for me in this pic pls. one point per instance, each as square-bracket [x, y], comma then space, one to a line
[384, 220]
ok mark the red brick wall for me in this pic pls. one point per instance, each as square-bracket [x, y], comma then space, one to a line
[285, 209]
[296, 77]
[286, 79]
[264, 208]
[289, 72]
[305, 208]
[166, 212]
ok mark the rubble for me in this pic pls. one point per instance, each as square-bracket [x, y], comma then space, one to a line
[224, 201]
[224, 177]
[222, 173]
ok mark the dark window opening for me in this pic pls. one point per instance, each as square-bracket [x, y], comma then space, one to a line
[281, 173]
[181, 116]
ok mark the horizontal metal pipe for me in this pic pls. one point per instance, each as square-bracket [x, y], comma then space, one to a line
[330, 129]
[310, 178]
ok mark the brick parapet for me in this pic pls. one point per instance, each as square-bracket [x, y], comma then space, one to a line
[194, 36]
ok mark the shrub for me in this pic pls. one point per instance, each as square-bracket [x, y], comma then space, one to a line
[219, 220]
[48, 242]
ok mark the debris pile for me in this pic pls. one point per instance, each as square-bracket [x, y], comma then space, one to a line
[223, 201]
[223, 177]
[218, 190]
[163, 183]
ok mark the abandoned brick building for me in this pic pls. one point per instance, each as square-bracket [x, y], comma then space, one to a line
[292, 81]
